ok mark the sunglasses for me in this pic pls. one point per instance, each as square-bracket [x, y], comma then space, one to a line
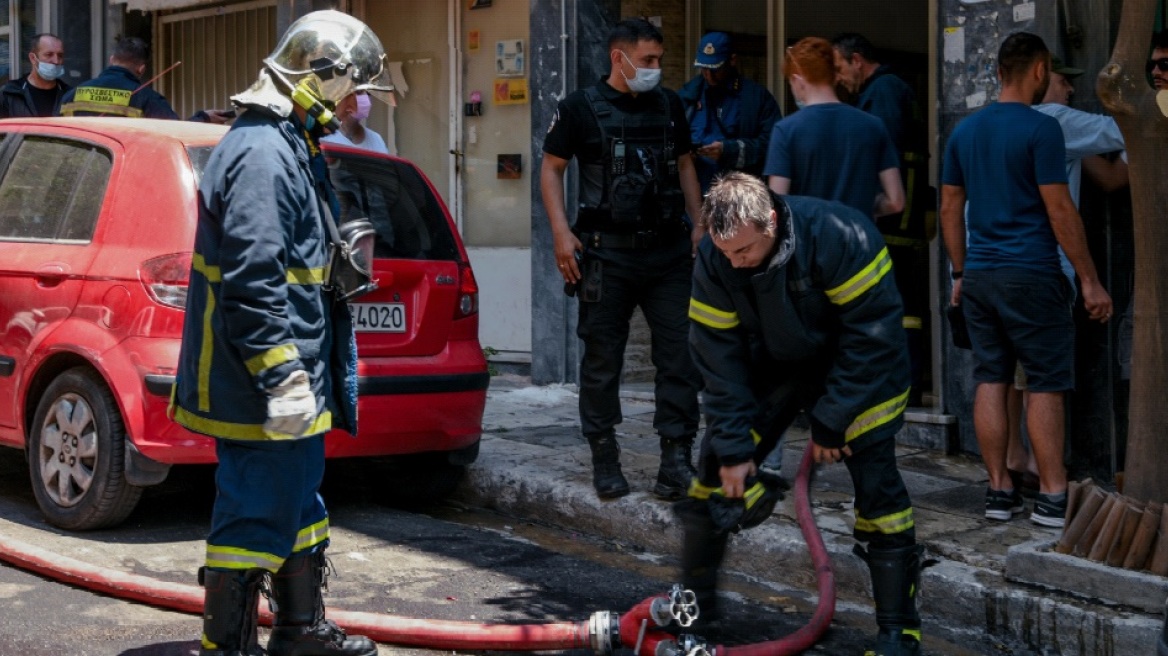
[1159, 64]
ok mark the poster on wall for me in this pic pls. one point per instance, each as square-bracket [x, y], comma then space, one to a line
[509, 58]
[510, 91]
[479, 4]
[472, 41]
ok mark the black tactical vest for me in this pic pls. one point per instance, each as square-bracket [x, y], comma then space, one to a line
[641, 188]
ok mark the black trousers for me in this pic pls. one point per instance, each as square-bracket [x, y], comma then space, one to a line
[659, 283]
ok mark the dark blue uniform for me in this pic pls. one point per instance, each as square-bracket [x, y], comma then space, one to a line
[115, 93]
[257, 312]
[740, 114]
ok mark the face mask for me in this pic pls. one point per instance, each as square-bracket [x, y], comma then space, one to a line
[646, 79]
[363, 105]
[799, 104]
[49, 71]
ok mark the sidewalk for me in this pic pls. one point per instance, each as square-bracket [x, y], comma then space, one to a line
[534, 464]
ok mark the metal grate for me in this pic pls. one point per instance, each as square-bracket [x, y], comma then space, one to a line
[221, 50]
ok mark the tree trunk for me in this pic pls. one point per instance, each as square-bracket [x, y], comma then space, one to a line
[1123, 88]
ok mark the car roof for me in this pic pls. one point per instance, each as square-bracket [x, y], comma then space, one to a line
[191, 133]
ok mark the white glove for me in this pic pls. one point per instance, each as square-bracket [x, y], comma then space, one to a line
[291, 405]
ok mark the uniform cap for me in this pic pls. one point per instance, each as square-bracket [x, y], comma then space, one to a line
[713, 50]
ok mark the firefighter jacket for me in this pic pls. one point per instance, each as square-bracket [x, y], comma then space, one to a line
[256, 308]
[16, 100]
[823, 310]
[115, 92]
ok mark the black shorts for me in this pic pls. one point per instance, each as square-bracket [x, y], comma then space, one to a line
[1023, 316]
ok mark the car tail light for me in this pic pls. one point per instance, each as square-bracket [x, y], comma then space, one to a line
[166, 277]
[468, 292]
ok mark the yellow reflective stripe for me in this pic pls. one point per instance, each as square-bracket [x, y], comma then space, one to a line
[209, 271]
[236, 558]
[877, 416]
[311, 536]
[915, 633]
[699, 491]
[912, 323]
[711, 316]
[313, 276]
[249, 432]
[755, 436]
[272, 357]
[206, 349]
[103, 95]
[862, 281]
[752, 495]
[888, 524]
[69, 109]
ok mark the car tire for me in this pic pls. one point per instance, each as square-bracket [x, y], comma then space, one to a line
[419, 480]
[76, 454]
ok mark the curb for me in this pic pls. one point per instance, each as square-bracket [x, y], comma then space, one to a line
[958, 599]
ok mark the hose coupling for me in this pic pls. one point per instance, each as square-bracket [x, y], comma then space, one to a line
[691, 645]
[604, 632]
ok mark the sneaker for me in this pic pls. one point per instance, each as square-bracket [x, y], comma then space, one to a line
[1001, 505]
[1048, 511]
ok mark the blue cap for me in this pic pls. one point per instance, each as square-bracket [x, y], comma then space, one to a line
[713, 50]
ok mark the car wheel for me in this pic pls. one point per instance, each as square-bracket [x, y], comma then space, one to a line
[419, 480]
[77, 455]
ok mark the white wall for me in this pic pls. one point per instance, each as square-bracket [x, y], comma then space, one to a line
[504, 277]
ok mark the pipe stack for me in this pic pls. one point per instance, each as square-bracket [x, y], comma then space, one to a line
[1108, 527]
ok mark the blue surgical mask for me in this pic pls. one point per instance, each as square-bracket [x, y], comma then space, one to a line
[49, 71]
[645, 80]
[799, 104]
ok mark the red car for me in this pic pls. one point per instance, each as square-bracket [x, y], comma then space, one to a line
[97, 219]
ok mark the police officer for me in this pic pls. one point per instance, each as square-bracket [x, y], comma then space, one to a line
[880, 92]
[636, 182]
[794, 308]
[267, 364]
[118, 90]
[730, 117]
[39, 92]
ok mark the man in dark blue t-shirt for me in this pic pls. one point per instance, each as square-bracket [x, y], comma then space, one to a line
[1007, 161]
[828, 149]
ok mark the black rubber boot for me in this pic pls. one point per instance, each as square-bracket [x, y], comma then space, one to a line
[702, 549]
[231, 615]
[300, 628]
[607, 478]
[896, 576]
[676, 471]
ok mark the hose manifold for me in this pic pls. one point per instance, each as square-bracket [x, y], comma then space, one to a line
[681, 606]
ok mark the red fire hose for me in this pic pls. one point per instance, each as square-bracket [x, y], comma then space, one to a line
[455, 635]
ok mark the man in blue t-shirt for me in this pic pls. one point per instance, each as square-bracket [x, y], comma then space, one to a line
[827, 149]
[1008, 162]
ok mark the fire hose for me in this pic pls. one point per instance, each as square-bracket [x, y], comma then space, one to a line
[603, 632]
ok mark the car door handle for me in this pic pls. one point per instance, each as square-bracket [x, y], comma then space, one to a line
[51, 275]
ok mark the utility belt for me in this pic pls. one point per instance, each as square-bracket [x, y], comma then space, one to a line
[595, 233]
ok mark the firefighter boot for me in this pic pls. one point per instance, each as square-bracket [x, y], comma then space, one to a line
[702, 549]
[299, 628]
[607, 478]
[677, 470]
[896, 576]
[231, 615]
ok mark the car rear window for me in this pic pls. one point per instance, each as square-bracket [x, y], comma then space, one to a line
[409, 220]
[53, 190]
[199, 156]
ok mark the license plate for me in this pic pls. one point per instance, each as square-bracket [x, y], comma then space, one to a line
[378, 317]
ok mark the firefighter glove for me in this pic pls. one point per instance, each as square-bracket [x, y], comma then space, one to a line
[291, 405]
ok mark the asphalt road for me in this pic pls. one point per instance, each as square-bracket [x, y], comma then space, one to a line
[448, 562]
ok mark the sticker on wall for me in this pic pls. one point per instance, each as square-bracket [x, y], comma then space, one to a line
[954, 44]
[510, 91]
[509, 167]
[472, 41]
[509, 58]
[479, 4]
[1024, 12]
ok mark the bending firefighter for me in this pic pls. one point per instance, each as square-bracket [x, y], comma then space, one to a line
[794, 308]
[268, 360]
